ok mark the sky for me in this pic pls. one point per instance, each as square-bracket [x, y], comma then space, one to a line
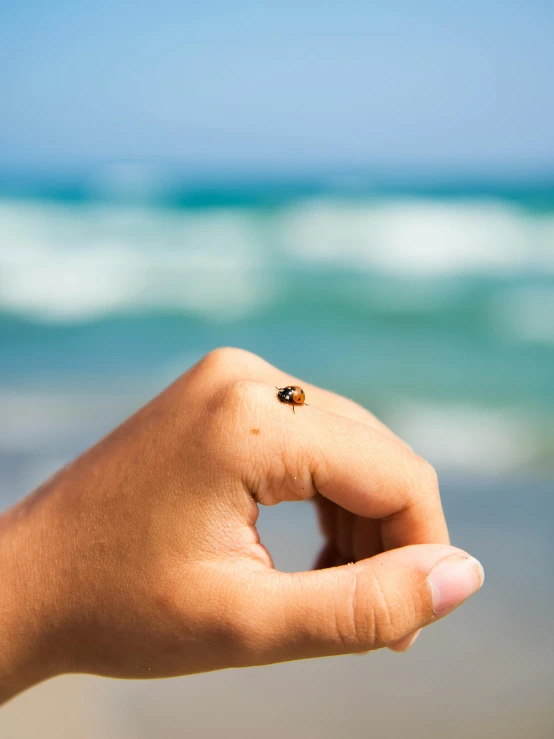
[288, 84]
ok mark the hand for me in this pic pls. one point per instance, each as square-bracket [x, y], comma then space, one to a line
[141, 558]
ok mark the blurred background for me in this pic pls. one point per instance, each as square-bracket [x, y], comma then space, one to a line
[177, 177]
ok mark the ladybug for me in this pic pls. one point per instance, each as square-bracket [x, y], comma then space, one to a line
[291, 394]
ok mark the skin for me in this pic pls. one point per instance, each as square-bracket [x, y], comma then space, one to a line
[141, 559]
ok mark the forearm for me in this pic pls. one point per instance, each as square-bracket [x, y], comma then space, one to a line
[25, 624]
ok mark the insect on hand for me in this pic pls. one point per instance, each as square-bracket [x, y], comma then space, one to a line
[291, 394]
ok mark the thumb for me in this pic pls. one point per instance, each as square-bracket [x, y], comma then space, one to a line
[358, 607]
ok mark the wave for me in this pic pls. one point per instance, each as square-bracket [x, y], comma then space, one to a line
[59, 263]
[418, 238]
[62, 262]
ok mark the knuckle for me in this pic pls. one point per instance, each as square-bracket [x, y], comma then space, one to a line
[224, 416]
[225, 359]
[389, 614]
[353, 629]
[239, 394]
[228, 412]
[376, 617]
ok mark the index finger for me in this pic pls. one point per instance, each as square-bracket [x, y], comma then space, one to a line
[353, 465]
[375, 476]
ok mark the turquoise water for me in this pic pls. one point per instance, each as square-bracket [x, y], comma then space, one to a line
[431, 303]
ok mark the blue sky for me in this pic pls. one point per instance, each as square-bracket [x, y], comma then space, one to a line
[442, 85]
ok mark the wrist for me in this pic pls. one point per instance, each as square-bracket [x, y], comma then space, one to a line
[26, 623]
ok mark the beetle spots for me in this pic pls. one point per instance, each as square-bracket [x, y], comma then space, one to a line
[291, 394]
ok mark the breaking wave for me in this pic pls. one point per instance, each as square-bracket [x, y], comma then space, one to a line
[63, 262]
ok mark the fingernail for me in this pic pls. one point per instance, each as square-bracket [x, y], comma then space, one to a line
[453, 580]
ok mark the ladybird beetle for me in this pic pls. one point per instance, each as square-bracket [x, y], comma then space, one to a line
[291, 394]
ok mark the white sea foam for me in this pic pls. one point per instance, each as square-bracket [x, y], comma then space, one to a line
[73, 262]
[422, 238]
[60, 263]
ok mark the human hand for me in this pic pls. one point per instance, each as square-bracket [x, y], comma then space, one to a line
[141, 558]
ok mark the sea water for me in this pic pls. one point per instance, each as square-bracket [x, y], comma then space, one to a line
[430, 303]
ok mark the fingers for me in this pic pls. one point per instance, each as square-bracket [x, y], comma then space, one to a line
[356, 537]
[328, 517]
[358, 465]
[366, 538]
[327, 557]
[334, 403]
[345, 530]
[349, 463]
[374, 603]
[372, 476]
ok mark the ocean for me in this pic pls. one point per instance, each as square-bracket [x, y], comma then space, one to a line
[431, 304]
[429, 301]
